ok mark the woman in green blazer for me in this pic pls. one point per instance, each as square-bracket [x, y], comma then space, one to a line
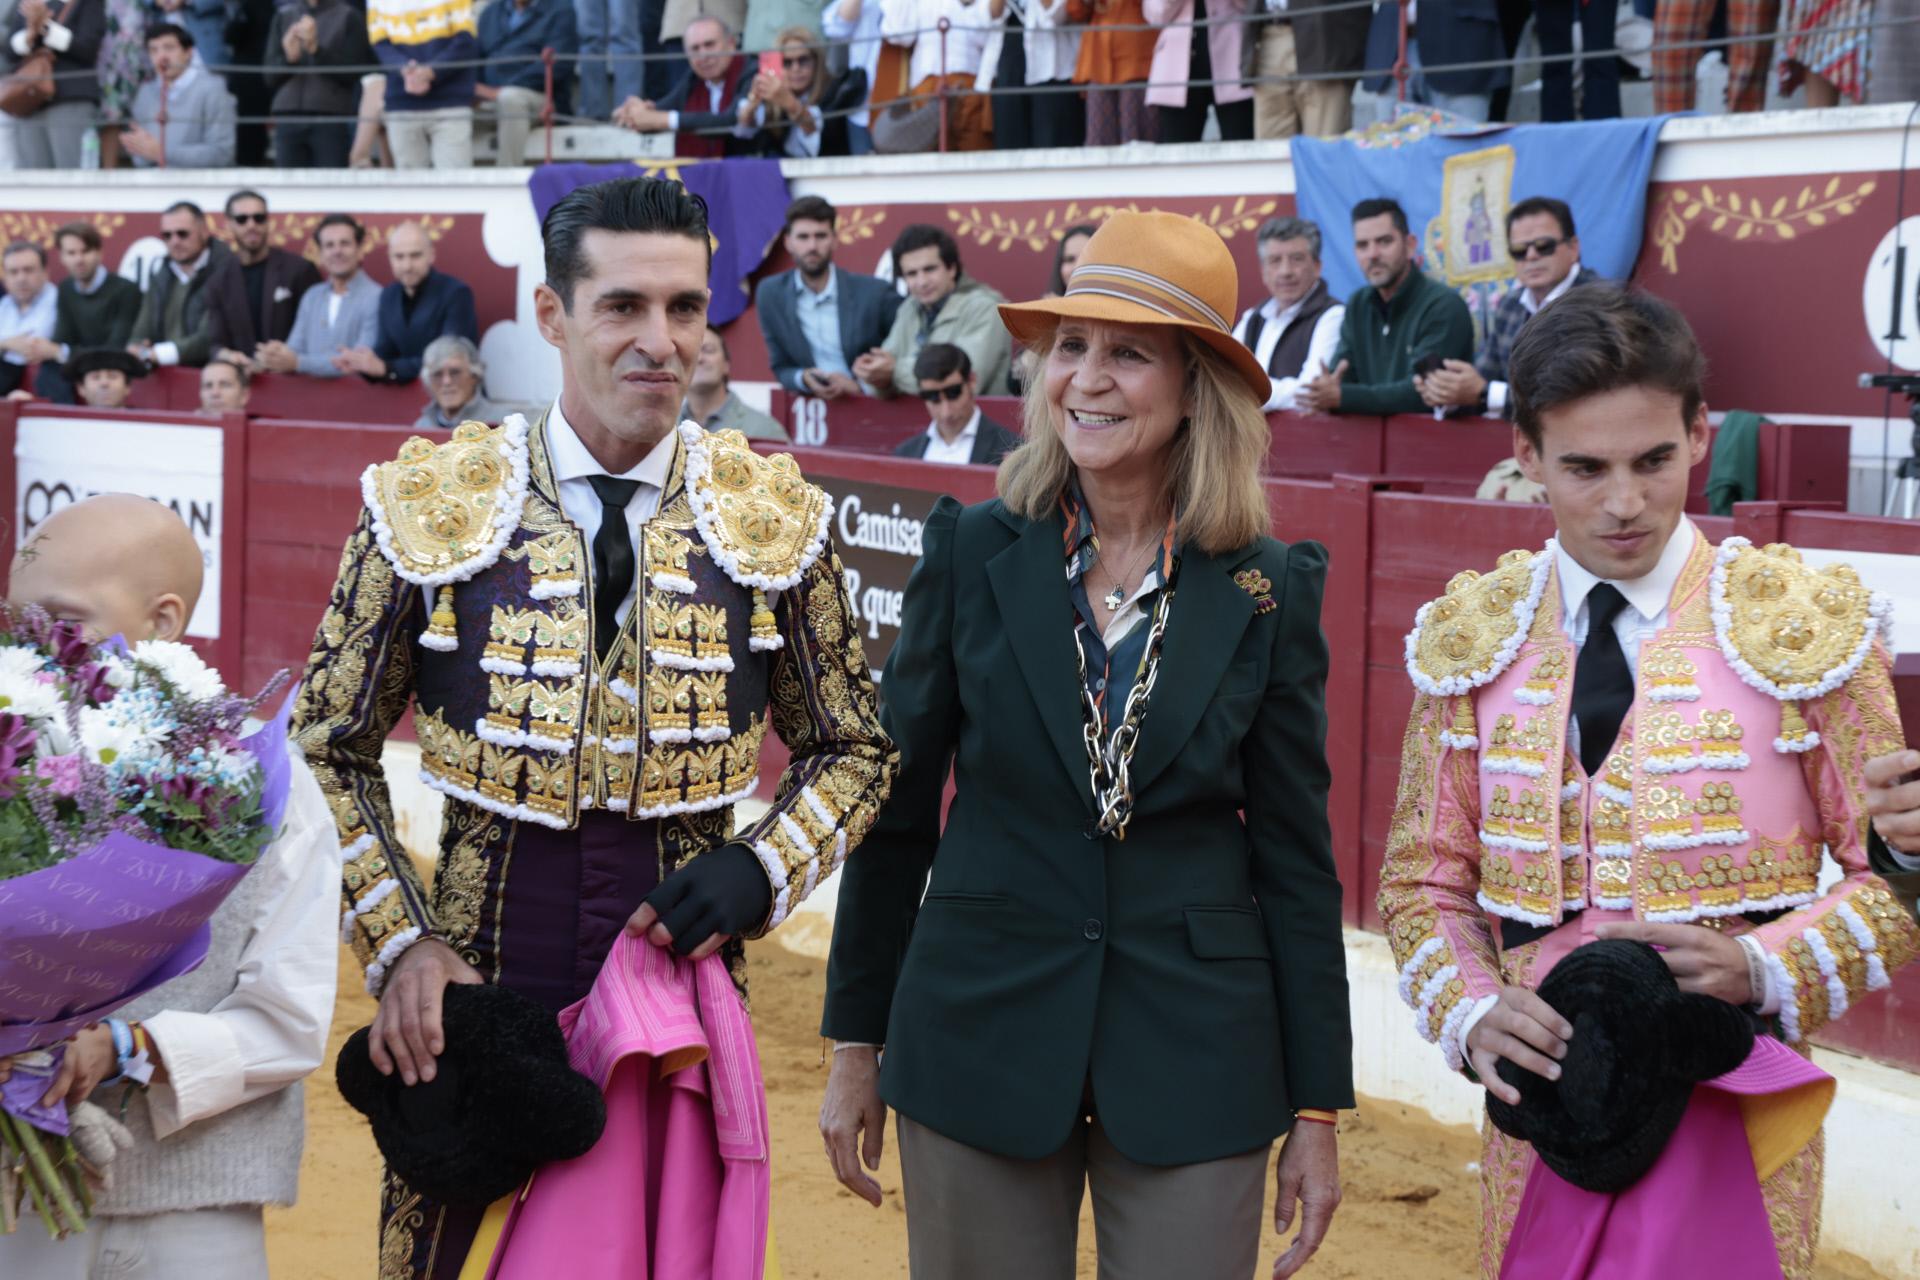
[1126, 971]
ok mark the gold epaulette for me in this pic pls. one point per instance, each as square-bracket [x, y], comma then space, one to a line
[1788, 629]
[443, 512]
[1471, 634]
[763, 522]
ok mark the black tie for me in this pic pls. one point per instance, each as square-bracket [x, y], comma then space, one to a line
[612, 558]
[1602, 681]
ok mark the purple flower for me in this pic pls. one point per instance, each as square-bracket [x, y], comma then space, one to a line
[63, 773]
[69, 644]
[16, 745]
[91, 680]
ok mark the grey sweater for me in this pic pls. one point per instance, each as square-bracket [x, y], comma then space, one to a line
[200, 120]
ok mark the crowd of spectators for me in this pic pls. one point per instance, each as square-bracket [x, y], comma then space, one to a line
[239, 310]
[362, 82]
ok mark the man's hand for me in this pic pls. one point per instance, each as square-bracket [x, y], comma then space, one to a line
[1525, 1031]
[406, 1032]
[89, 1059]
[1893, 798]
[360, 360]
[292, 43]
[1321, 394]
[875, 368]
[641, 116]
[42, 350]
[485, 93]
[851, 1114]
[1455, 384]
[417, 79]
[706, 901]
[1308, 1172]
[137, 141]
[239, 358]
[35, 15]
[1704, 961]
[140, 348]
[277, 356]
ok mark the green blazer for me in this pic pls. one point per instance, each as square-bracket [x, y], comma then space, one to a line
[1191, 976]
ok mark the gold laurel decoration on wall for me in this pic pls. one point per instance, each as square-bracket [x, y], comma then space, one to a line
[1753, 217]
[1001, 232]
[38, 228]
[859, 223]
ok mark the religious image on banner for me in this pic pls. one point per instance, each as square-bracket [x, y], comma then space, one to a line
[1475, 194]
[746, 210]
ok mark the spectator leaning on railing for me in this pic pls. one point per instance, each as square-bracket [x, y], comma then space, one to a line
[1396, 323]
[951, 62]
[429, 104]
[198, 130]
[1295, 38]
[701, 110]
[513, 84]
[96, 308]
[455, 378]
[28, 312]
[420, 305]
[51, 137]
[306, 36]
[817, 319]
[340, 313]
[1295, 332]
[254, 296]
[1546, 257]
[943, 306]
[1186, 57]
[172, 325]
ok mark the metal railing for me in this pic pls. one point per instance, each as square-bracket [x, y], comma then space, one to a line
[1401, 73]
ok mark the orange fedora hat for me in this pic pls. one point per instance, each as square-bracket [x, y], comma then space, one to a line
[1150, 268]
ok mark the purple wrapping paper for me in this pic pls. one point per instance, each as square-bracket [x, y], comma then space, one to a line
[84, 938]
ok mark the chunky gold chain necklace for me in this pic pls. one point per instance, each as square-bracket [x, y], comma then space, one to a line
[1110, 762]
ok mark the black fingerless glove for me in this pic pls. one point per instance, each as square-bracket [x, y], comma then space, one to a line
[725, 891]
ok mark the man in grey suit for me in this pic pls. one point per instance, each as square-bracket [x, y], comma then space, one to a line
[816, 317]
[200, 114]
[341, 312]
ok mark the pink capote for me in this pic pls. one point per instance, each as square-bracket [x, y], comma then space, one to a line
[679, 1186]
[1699, 1210]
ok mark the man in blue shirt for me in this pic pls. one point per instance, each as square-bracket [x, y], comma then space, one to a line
[420, 305]
[817, 319]
[514, 81]
[27, 310]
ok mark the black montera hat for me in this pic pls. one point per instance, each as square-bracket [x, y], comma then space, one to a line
[1639, 1047]
[503, 1099]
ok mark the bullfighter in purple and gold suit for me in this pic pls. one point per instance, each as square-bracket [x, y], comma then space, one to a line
[1636, 733]
[591, 740]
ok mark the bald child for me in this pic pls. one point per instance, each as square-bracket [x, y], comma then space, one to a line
[218, 1130]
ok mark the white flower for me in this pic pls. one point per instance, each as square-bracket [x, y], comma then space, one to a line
[181, 668]
[119, 674]
[21, 662]
[113, 739]
[55, 738]
[29, 696]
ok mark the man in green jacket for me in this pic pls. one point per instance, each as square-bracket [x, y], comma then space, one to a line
[1395, 322]
[172, 325]
[942, 306]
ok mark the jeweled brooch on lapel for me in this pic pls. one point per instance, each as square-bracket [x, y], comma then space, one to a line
[1259, 586]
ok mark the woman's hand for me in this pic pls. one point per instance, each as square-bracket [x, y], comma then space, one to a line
[1309, 1172]
[853, 1104]
[89, 1059]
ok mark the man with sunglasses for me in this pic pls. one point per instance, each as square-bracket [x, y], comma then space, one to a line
[1546, 258]
[254, 295]
[711, 401]
[959, 434]
[172, 325]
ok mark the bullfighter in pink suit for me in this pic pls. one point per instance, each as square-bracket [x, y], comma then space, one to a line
[1636, 733]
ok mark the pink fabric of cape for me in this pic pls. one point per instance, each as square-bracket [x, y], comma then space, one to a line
[679, 1186]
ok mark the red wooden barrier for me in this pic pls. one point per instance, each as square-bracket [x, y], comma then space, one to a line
[276, 395]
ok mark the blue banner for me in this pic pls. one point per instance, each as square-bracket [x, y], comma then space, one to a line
[1457, 187]
[746, 208]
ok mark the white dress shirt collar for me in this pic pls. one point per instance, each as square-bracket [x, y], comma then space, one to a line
[826, 294]
[1526, 294]
[960, 449]
[572, 460]
[1280, 316]
[1649, 594]
[92, 286]
[187, 273]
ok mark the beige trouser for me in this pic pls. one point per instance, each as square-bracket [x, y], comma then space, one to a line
[973, 1215]
[198, 1244]
[1316, 108]
[441, 138]
[516, 113]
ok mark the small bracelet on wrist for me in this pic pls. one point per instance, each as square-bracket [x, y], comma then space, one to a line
[1314, 1115]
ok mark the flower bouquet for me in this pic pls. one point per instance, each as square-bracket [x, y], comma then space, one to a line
[130, 806]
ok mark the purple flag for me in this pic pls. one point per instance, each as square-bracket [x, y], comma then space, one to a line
[746, 208]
